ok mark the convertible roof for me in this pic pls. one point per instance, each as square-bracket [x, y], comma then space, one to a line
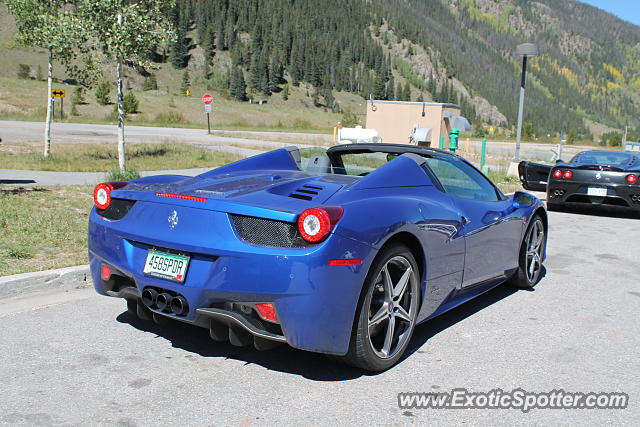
[358, 148]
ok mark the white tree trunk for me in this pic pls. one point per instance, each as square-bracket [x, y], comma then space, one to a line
[121, 151]
[47, 126]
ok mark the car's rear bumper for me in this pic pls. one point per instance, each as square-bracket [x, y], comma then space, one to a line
[577, 193]
[315, 302]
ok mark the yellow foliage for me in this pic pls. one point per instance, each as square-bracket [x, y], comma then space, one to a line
[612, 86]
[569, 75]
[613, 71]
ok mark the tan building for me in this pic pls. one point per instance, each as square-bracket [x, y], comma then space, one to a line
[394, 120]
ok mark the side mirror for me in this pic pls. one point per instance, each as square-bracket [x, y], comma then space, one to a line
[522, 199]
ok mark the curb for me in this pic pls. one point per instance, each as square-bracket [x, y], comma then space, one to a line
[63, 279]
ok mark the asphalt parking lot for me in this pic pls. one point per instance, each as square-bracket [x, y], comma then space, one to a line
[78, 358]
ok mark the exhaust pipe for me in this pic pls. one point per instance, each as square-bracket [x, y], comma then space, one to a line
[163, 301]
[179, 306]
[149, 297]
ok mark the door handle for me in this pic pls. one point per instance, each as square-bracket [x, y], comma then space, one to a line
[464, 220]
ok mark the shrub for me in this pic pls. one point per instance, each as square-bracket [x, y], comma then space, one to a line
[24, 71]
[102, 93]
[171, 117]
[130, 103]
[150, 82]
[349, 119]
[78, 96]
[117, 175]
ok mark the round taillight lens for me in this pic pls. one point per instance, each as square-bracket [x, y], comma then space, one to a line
[567, 175]
[632, 179]
[102, 195]
[315, 224]
[557, 173]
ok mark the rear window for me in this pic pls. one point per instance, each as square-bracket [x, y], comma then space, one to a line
[604, 158]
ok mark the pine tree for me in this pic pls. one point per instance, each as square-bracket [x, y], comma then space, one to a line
[78, 96]
[275, 75]
[178, 50]
[150, 82]
[432, 87]
[379, 89]
[102, 93]
[399, 93]
[390, 95]
[130, 103]
[315, 98]
[406, 92]
[328, 97]
[209, 46]
[186, 82]
[237, 85]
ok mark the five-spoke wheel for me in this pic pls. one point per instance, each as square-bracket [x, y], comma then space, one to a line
[532, 253]
[387, 310]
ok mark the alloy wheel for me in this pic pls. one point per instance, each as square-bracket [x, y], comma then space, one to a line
[393, 306]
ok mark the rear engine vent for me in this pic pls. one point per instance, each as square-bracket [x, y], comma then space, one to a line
[117, 209]
[306, 192]
[268, 232]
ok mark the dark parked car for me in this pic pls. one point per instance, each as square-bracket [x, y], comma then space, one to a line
[596, 177]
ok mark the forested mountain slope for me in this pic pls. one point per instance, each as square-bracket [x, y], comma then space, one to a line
[444, 50]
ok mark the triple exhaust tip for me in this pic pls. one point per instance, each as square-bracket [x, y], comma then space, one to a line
[165, 302]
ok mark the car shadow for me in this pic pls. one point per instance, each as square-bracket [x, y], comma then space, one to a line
[597, 210]
[313, 366]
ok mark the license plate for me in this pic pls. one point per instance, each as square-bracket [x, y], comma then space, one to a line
[166, 266]
[596, 191]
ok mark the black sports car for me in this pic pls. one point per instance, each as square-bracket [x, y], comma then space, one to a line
[596, 177]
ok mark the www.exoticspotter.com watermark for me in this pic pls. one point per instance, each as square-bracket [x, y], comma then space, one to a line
[523, 400]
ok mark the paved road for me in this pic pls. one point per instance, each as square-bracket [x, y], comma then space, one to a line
[46, 178]
[78, 358]
[17, 131]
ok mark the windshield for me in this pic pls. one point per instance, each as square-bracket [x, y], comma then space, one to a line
[315, 160]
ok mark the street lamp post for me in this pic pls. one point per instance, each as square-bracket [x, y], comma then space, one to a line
[525, 50]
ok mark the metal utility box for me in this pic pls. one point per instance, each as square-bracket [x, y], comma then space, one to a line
[395, 120]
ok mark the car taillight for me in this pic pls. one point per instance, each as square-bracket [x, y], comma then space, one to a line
[105, 272]
[557, 173]
[567, 175]
[315, 224]
[102, 193]
[267, 311]
[632, 179]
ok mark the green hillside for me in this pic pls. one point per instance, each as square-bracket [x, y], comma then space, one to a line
[329, 57]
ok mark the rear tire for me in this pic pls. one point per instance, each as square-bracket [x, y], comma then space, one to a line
[532, 250]
[387, 310]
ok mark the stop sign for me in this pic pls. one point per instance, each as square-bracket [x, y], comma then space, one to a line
[207, 98]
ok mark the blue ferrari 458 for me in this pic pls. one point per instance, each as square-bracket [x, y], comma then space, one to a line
[339, 251]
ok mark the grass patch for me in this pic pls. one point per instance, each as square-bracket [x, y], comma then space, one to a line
[104, 157]
[116, 175]
[506, 184]
[42, 229]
